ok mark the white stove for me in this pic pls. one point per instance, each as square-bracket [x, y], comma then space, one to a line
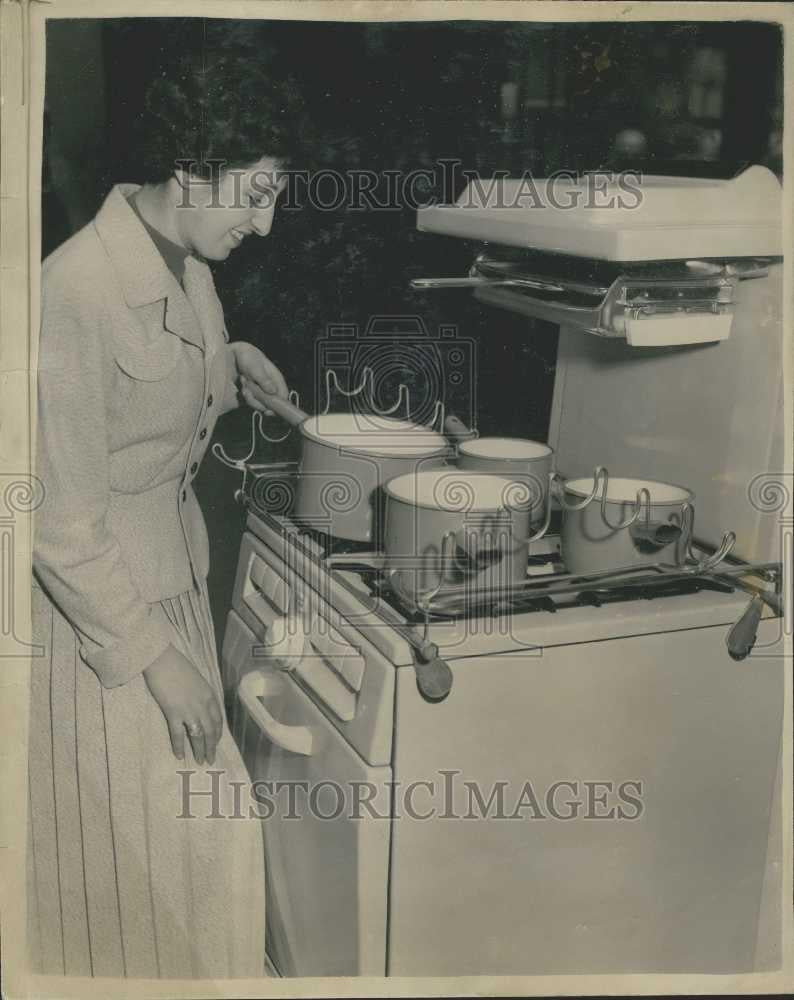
[637, 693]
[580, 780]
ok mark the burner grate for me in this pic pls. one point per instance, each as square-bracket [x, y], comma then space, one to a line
[490, 606]
[643, 592]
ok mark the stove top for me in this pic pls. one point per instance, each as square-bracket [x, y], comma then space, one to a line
[550, 608]
[355, 565]
[485, 605]
[546, 590]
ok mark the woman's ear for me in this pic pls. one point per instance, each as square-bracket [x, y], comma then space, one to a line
[187, 181]
[187, 173]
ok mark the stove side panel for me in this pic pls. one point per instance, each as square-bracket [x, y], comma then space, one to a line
[551, 879]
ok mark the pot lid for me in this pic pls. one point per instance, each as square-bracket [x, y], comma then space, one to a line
[501, 448]
[373, 434]
[622, 490]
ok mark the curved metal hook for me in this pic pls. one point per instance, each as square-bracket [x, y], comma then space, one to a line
[728, 542]
[702, 565]
[331, 381]
[445, 559]
[239, 463]
[684, 553]
[402, 393]
[268, 438]
[294, 397]
[643, 498]
[547, 517]
[601, 485]
[599, 473]
[439, 415]
[239, 466]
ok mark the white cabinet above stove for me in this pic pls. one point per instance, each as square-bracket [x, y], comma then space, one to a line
[653, 261]
[625, 217]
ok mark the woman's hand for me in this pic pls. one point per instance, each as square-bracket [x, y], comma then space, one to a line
[187, 702]
[258, 375]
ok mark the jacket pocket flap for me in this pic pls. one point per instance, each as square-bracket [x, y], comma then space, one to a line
[145, 350]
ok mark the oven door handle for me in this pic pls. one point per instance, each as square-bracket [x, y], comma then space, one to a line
[257, 685]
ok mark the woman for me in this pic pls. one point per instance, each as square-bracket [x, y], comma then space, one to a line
[134, 369]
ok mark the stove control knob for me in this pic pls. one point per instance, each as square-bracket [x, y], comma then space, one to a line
[284, 643]
[433, 678]
[741, 638]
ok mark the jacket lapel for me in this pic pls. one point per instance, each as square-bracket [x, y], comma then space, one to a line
[180, 318]
[144, 277]
[200, 292]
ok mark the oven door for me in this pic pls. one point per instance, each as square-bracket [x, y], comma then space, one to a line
[325, 820]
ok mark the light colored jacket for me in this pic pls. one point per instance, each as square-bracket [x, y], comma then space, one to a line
[132, 376]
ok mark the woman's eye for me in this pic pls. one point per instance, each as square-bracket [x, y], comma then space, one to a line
[264, 200]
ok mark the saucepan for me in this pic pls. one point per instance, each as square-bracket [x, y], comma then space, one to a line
[621, 522]
[345, 460]
[445, 526]
[519, 459]
[523, 460]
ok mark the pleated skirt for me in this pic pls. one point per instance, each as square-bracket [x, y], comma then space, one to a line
[138, 864]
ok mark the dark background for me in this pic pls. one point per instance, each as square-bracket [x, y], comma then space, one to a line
[401, 97]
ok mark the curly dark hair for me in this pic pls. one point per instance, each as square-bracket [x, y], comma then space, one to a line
[219, 104]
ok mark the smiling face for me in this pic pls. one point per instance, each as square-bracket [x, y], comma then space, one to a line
[212, 219]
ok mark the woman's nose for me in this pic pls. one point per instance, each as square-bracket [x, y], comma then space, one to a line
[262, 220]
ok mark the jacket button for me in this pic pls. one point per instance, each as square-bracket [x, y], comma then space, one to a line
[194, 467]
[203, 433]
[209, 400]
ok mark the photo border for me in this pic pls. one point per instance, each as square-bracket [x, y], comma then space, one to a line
[22, 89]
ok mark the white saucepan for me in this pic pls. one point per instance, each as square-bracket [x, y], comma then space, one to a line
[346, 458]
[521, 459]
[636, 521]
[447, 526]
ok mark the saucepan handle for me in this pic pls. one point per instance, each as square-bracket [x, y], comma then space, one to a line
[476, 550]
[292, 414]
[456, 430]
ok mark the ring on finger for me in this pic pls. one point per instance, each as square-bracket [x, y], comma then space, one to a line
[196, 729]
